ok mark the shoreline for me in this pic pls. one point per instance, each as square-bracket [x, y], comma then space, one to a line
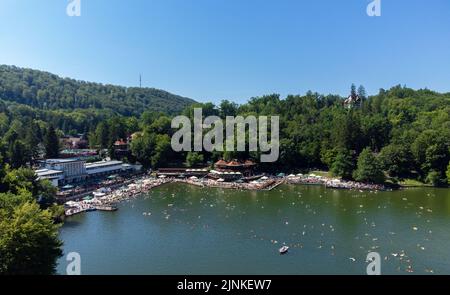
[106, 198]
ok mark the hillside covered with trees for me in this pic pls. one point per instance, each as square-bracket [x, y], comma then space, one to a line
[397, 134]
[47, 91]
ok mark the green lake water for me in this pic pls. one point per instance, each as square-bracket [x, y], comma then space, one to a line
[195, 230]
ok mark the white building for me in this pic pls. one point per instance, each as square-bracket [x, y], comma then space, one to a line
[103, 168]
[56, 177]
[63, 171]
[74, 169]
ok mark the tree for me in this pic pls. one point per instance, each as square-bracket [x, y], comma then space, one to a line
[33, 138]
[102, 135]
[434, 178]
[362, 92]
[163, 151]
[19, 155]
[353, 90]
[368, 168]
[376, 130]
[228, 108]
[143, 146]
[29, 241]
[448, 173]
[3, 187]
[193, 159]
[396, 160]
[343, 165]
[51, 143]
[347, 131]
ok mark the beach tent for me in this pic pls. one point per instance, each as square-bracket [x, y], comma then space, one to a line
[264, 178]
[193, 178]
[162, 176]
[220, 180]
[291, 175]
[299, 174]
[281, 174]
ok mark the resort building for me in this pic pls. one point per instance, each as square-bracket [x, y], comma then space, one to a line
[122, 148]
[74, 170]
[246, 168]
[233, 170]
[103, 168]
[65, 171]
[56, 177]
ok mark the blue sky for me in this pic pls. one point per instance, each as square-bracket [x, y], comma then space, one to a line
[233, 49]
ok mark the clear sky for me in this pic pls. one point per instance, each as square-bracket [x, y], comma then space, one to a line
[233, 49]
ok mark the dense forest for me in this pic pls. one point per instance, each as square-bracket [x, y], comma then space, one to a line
[397, 134]
[46, 91]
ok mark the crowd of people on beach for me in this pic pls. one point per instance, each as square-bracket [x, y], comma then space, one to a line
[332, 182]
[114, 191]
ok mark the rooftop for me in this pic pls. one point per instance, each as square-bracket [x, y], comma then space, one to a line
[103, 163]
[46, 172]
[60, 161]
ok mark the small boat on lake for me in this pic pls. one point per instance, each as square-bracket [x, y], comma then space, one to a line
[283, 250]
[106, 208]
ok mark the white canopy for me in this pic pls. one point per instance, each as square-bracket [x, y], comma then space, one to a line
[264, 178]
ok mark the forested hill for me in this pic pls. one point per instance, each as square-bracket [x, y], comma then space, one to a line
[48, 91]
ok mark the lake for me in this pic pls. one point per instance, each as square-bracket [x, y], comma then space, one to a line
[181, 229]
